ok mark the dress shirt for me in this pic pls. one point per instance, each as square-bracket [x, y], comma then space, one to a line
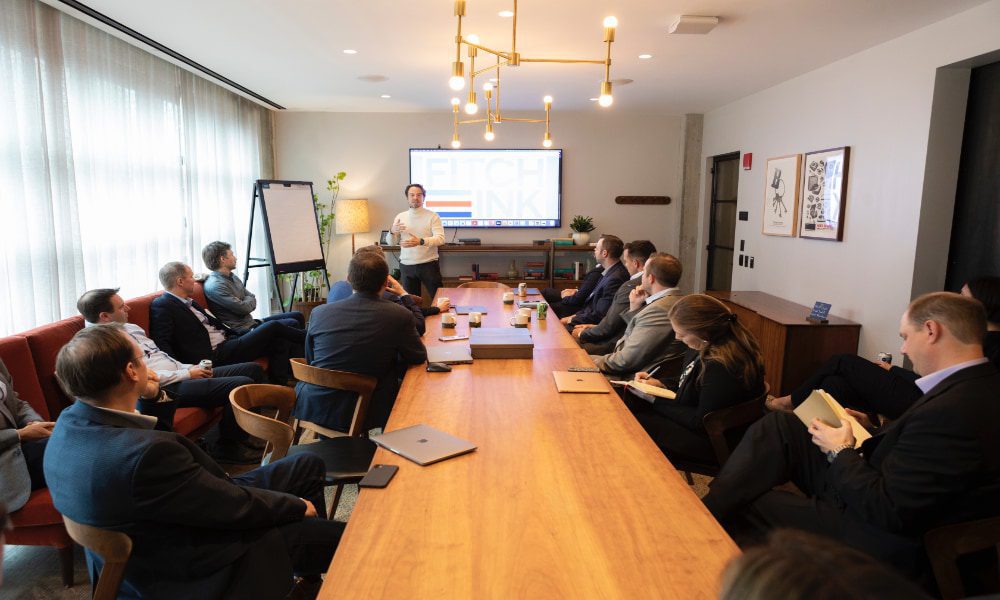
[927, 382]
[215, 335]
[168, 369]
[654, 297]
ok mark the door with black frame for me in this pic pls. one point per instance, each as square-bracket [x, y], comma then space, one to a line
[722, 225]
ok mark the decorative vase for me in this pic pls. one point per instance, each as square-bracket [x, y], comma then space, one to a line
[581, 238]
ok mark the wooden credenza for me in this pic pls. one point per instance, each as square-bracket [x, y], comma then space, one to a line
[793, 348]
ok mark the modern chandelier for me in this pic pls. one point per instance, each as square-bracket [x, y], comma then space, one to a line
[513, 58]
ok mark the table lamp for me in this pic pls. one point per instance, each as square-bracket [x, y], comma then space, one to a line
[352, 217]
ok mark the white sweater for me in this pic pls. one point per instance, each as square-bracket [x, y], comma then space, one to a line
[426, 225]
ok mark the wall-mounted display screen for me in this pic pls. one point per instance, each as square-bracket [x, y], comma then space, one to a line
[490, 188]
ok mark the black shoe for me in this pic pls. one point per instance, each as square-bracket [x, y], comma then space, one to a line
[305, 588]
[253, 443]
[235, 453]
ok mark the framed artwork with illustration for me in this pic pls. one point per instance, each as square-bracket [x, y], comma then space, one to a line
[824, 193]
[781, 195]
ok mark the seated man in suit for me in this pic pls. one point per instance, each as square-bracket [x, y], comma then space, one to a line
[648, 338]
[189, 333]
[229, 300]
[23, 436]
[568, 301]
[394, 292]
[364, 334]
[938, 463]
[196, 532]
[601, 338]
[187, 384]
[608, 253]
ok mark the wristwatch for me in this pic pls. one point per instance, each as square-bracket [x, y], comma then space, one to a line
[421, 241]
[832, 454]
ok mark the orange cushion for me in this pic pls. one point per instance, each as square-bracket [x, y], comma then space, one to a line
[187, 420]
[38, 511]
[138, 310]
[16, 356]
[45, 342]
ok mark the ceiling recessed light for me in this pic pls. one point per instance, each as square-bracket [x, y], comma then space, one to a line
[645, 56]
[385, 96]
[350, 51]
[506, 14]
[593, 99]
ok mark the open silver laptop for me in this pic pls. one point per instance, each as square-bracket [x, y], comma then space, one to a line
[449, 354]
[423, 444]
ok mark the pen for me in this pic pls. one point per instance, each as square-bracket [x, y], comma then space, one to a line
[655, 369]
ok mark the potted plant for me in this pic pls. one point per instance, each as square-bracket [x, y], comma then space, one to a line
[581, 226]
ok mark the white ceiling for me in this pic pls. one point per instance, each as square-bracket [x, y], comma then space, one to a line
[291, 51]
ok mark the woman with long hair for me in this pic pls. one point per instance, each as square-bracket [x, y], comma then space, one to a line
[723, 367]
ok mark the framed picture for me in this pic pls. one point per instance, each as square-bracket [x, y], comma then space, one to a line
[824, 193]
[781, 195]
[385, 239]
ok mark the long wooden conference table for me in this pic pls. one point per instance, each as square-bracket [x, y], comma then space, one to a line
[566, 495]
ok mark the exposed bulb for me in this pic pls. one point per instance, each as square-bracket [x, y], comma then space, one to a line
[610, 22]
[547, 143]
[472, 38]
[471, 108]
[456, 144]
[489, 135]
[487, 87]
[547, 100]
[455, 101]
[605, 100]
[456, 82]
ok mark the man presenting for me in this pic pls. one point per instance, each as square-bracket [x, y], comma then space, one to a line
[363, 333]
[231, 302]
[419, 233]
[23, 436]
[196, 532]
[186, 331]
[938, 463]
[189, 385]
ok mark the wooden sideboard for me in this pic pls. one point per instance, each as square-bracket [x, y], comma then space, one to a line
[793, 348]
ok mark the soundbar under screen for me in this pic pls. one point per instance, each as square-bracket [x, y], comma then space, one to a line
[490, 188]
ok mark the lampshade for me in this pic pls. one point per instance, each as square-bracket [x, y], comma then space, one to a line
[352, 216]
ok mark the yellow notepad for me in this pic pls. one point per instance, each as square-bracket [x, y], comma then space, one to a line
[821, 405]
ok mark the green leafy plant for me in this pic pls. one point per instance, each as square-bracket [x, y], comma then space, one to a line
[581, 224]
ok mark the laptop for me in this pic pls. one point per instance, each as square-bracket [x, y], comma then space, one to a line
[449, 354]
[464, 310]
[423, 444]
[581, 382]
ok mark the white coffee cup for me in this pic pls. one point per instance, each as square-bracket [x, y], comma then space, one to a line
[443, 301]
[525, 311]
[508, 297]
[447, 318]
[522, 289]
[520, 319]
[475, 317]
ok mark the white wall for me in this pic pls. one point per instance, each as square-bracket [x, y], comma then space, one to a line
[879, 103]
[606, 155]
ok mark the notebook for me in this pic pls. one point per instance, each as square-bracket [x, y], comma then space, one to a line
[464, 310]
[821, 405]
[645, 388]
[581, 382]
[450, 354]
[423, 444]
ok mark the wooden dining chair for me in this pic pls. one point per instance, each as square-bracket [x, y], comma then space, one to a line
[113, 547]
[947, 543]
[484, 284]
[725, 429]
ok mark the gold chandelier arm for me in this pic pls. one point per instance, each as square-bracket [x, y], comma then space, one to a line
[564, 60]
[499, 53]
[513, 35]
[467, 121]
[485, 69]
[524, 120]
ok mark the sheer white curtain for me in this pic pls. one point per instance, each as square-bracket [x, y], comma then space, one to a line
[112, 162]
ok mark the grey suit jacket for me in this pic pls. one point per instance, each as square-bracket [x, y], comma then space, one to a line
[606, 333]
[648, 339]
[15, 485]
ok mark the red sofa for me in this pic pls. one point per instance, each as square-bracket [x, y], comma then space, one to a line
[31, 359]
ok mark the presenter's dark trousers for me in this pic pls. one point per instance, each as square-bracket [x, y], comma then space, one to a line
[310, 543]
[778, 449]
[860, 384]
[214, 392]
[428, 273]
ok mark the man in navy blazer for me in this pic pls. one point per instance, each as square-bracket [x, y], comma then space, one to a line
[938, 463]
[186, 331]
[608, 252]
[196, 532]
[363, 333]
